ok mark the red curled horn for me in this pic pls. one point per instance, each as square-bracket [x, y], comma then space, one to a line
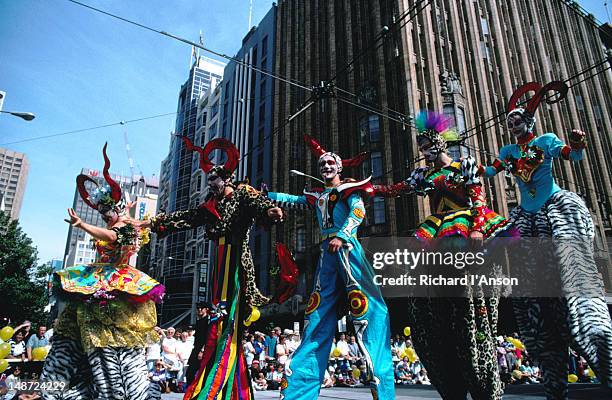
[80, 181]
[224, 145]
[558, 86]
[115, 188]
[355, 161]
[526, 88]
[315, 147]
[230, 150]
[205, 163]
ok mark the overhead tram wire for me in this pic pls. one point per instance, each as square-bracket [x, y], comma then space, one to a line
[379, 36]
[484, 123]
[376, 45]
[281, 78]
[86, 129]
[584, 71]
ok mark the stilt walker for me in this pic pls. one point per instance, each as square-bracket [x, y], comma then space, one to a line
[101, 335]
[549, 325]
[453, 336]
[342, 271]
[227, 215]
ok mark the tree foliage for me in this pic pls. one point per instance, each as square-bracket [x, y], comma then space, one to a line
[23, 291]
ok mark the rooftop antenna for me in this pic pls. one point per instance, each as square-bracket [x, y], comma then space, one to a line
[250, 13]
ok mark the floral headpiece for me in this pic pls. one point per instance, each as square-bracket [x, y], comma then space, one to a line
[104, 198]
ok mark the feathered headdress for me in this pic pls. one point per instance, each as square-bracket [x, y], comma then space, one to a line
[437, 128]
[319, 151]
[528, 112]
[104, 198]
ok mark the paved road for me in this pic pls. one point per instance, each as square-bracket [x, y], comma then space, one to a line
[522, 392]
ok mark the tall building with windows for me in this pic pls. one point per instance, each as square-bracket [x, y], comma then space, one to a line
[462, 57]
[246, 119]
[175, 265]
[14, 167]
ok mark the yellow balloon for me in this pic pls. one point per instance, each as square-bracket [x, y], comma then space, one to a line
[337, 352]
[247, 322]
[411, 354]
[255, 314]
[591, 373]
[6, 333]
[5, 350]
[3, 365]
[356, 373]
[407, 331]
[572, 378]
[39, 353]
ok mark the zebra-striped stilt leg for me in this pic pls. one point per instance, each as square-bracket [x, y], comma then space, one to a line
[121, 373]
[66, 362]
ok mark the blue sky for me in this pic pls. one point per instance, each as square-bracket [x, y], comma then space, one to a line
[75, 69]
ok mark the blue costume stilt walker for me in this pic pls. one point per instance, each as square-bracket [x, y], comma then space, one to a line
[343, 270]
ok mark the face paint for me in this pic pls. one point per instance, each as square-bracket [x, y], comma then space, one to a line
[216, 184]
[328, 167]
[517, 126]
[429, 151]
[110, 217]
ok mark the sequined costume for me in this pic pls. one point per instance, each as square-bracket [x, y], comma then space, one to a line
[345, 274]
[100, 336]
[223, 371]
[454, 336]
[549, 325]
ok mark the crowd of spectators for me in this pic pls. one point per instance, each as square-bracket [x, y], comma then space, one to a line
[267, 354]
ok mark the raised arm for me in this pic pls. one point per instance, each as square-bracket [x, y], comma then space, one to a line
[288, 200]
[95, 231]
[416, 182]
[573, 152]
[164, 224]
[259, 206]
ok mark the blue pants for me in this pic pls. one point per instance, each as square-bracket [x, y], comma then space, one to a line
[344, 273]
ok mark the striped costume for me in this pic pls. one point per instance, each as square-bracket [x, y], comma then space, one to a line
[549, 325]
[101, 334]
[223, 372]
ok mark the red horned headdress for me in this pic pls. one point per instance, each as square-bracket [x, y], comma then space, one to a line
[206, 165]
[319, 151]
[104, 198]
[528, 112]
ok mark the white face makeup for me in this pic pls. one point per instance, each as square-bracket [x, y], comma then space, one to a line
[328, 167]
[517, 126]
[215, 184]
[110, 217]
[429, 151]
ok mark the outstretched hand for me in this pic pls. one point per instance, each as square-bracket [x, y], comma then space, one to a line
[74, 220]
[276, 214]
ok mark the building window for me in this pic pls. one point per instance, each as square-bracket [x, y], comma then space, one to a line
[369, 128]
[379, 211]
[300, 242]
[377, 166]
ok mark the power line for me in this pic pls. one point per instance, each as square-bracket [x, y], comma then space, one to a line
[124, 122]
[347, 68]
[289, 81]
[377, 46]
[594, 66]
